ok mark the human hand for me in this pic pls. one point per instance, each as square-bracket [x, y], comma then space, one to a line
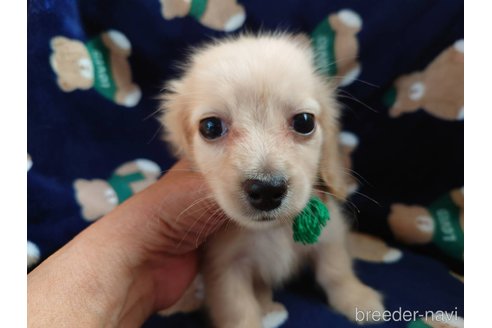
[132, 262]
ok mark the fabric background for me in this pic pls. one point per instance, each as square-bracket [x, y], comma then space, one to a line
[78, 140]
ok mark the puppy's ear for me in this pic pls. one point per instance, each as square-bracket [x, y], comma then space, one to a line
[175, 119]
[331, 168]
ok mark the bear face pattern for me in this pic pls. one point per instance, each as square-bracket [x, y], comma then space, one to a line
[98, 197]
[220, 15]
[336, 46]
[438, 90]
[101, 64]
[441, 223]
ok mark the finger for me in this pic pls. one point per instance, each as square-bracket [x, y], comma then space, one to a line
[175, 215]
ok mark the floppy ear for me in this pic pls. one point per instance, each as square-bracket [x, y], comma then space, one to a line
[175, 119]
[331, 169]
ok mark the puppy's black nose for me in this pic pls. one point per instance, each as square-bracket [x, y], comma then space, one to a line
[265, 195]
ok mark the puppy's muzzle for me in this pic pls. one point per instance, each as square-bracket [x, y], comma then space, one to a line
[265, 195]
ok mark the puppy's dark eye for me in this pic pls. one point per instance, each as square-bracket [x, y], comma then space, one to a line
[303, 123]
[212, 128]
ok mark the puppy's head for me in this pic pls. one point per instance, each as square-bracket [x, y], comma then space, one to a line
[259, 123]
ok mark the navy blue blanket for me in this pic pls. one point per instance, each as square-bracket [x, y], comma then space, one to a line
[96, 67]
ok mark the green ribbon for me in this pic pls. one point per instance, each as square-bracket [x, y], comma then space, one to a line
[103, 77]
[448, 235]
[323, 40]
[308, 224]
[121, 184]
[197, 8]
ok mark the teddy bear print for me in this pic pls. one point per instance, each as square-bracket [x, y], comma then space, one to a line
[220, 15]
[336, 46]
[441, 223]
[97, 197]
[101, 64]
[439, 89]
[369, 248]
[348, 142]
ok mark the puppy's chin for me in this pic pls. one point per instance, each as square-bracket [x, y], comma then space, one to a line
[262, 220]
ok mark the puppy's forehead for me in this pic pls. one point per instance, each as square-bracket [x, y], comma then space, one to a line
[255, 72]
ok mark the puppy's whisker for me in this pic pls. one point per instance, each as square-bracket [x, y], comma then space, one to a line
[360, 179]
[159, 129]
[184, 170]
[190, 229]
[369, 198]
[340, 77]
[195, 203]
[336, 197]
[206, 223]
[154, 113]
[352, 97]
[178, 170]
[218, 216]
[338, 61]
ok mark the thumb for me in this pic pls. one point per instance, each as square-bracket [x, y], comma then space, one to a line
[175, 215]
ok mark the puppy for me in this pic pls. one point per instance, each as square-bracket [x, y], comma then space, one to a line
[256, 119]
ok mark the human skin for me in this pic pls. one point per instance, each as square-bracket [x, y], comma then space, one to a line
[134, 261]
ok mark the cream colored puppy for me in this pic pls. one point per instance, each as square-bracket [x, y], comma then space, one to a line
[261, 125]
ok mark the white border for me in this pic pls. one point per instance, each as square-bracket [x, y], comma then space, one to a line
[13, 221]
[478, 163]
